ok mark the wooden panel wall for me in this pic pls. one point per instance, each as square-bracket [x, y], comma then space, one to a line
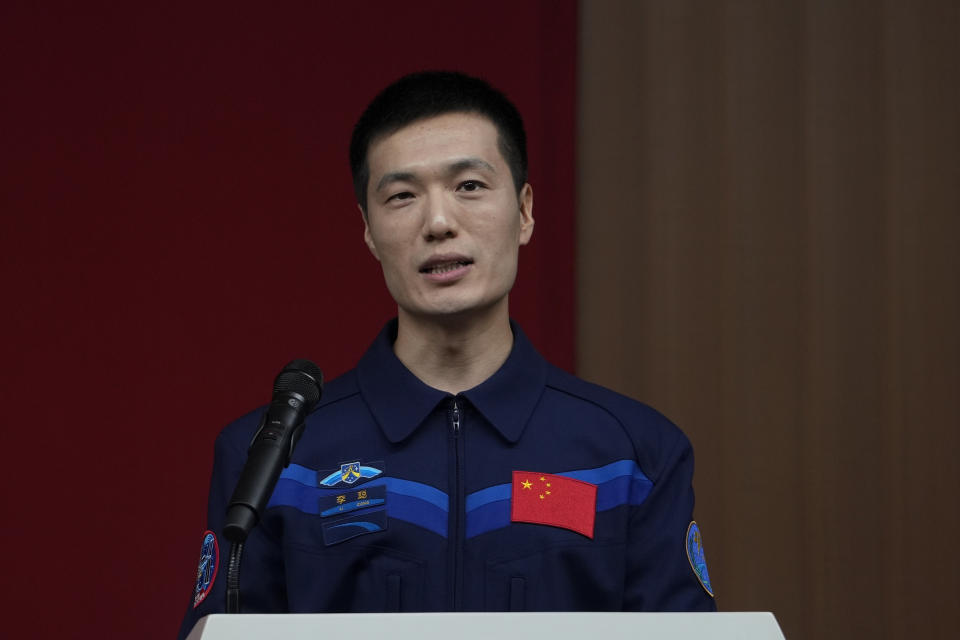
[769, 252]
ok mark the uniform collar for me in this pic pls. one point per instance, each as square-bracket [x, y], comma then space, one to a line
[400, 402]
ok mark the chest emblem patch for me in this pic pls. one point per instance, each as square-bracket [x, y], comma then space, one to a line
[698, 561]
[349, 473]
[557, 501]
[206, 568]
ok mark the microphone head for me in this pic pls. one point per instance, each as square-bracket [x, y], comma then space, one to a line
[303, 378]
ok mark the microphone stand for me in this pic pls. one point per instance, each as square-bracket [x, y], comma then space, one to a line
[233, 577]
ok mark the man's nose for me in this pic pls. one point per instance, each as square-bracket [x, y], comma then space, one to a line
[440, 219]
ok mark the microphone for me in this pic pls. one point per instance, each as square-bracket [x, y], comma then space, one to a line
[296, 392]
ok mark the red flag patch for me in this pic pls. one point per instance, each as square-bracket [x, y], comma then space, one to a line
[557, 501]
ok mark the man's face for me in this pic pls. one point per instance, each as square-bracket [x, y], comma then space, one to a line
[443, 216]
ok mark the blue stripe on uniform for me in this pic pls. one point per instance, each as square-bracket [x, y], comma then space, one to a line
[412, 502]
[302, 475]
[416, 511]
[618, 483]
[490, 494]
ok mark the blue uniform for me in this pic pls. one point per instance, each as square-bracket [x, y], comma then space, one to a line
[399, 498]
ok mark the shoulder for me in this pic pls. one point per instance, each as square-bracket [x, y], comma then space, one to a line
[339, 389]
[656, 440]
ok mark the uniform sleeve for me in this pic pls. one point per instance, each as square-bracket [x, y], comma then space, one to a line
[262, 584]
[660, 576]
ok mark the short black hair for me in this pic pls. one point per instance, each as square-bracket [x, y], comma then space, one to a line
[426, 94]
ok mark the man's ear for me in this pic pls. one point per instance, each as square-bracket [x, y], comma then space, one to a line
[366, 234]
[526, 213]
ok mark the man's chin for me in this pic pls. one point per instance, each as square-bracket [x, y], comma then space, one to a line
[455, 311]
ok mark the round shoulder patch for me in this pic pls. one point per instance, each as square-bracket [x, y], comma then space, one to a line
[207, 568]
[698, 561]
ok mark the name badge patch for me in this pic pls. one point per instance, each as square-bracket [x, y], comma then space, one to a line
[356, 498]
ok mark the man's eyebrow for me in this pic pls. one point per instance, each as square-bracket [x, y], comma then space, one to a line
[453, 168]
[394, 176]
[469, 163]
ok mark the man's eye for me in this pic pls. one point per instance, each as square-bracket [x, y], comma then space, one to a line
[403, 195]
[471, 186]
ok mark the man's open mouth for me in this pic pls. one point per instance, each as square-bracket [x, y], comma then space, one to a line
[444, 266]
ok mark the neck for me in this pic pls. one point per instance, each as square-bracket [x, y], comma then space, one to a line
[454, 354]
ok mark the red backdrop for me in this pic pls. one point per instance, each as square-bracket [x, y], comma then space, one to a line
[177, 223]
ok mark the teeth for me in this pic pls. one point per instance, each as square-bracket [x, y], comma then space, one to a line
[444, 268]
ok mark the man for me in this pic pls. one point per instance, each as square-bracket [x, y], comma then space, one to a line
[454, 469]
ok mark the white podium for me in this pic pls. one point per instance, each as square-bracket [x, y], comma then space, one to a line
[489, 626]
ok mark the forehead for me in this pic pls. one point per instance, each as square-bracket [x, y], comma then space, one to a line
[435, 141]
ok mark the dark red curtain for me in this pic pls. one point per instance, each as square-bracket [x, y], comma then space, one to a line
[177, 223]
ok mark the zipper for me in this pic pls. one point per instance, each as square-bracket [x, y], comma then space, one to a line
[456, 507]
